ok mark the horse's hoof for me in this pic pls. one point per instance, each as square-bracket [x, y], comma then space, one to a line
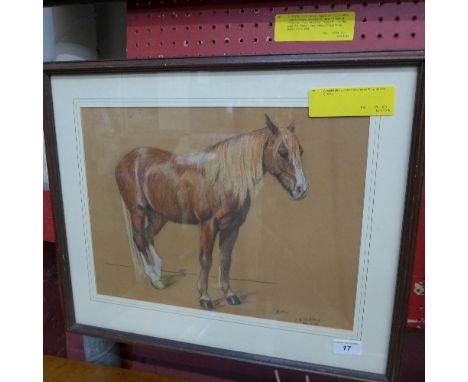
[233, 300]
[206, 304]
[158, 284]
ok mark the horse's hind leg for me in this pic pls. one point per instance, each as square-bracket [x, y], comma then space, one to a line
[155, 224]
[227, 239]
[138, 218]
[145, 222]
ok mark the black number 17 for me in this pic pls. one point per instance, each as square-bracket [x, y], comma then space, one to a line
[346, 347]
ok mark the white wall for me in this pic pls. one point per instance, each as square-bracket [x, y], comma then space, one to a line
[83, 32]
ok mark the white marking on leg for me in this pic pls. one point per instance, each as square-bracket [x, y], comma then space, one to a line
[149, 270]
[157, 262]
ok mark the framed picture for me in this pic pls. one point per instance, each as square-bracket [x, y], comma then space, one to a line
[200, 209]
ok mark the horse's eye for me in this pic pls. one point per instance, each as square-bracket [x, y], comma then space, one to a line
[283, 154]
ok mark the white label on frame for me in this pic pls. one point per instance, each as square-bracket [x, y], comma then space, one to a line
[347, 347]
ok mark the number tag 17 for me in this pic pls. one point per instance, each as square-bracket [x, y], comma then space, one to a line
[347, 347]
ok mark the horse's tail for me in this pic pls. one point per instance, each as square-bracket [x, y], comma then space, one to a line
[137, 260]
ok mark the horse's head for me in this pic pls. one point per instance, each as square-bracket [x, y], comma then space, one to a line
[282, 159]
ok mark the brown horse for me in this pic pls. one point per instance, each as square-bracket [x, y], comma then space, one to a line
[212, 188]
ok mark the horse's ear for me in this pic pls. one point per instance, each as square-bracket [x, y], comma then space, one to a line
[292, 127]
[271, 126]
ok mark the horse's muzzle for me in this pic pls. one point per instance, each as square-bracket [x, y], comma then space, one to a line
[298, 192]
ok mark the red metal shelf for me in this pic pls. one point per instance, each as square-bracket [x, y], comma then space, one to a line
[192, 28]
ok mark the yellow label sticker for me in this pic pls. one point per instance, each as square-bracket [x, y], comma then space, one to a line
[334, 26]
[352, 101]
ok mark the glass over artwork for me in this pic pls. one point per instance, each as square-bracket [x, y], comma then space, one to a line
[252, 211]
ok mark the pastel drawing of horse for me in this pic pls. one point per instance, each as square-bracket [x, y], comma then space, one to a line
[212, 188]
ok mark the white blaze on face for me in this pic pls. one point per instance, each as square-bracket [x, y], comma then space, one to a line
[301, 187]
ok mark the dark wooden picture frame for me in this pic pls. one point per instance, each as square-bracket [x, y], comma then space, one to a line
[195, 354]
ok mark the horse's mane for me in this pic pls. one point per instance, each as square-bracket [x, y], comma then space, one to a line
[235, 165]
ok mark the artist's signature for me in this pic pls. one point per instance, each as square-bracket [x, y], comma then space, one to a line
[307, 320]
[280, 311]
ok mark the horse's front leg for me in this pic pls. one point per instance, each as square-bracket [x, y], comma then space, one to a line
[227, 239]
[207, 239]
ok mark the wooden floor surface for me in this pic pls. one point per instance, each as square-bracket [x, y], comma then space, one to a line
[58, 369]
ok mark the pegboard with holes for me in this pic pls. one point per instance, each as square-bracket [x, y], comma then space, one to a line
[191, 28]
